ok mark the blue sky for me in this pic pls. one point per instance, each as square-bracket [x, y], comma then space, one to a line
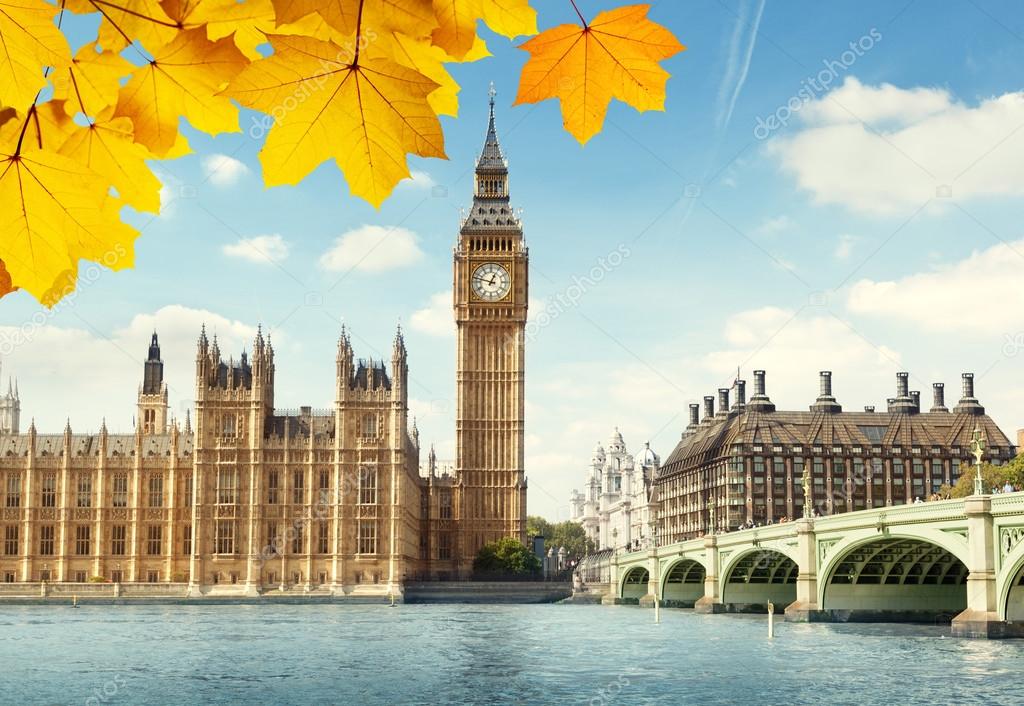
[877, 231]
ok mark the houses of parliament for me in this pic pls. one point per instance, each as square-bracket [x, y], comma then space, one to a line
[244, 498]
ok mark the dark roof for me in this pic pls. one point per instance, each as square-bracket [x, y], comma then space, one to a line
[817, 428]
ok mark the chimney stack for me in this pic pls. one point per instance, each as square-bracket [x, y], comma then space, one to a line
[902, 404]
[741, 395]
[723, 403]
[968, 404]
[759, 383]
[709, 409]
[938, 397]
[825, 402]
[694, 417]
[869, 408]
[760, 402]
[915, 395]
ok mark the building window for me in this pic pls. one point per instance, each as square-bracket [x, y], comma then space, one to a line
[186, 544]
[84, 491]
[369, 427]
[13, 498]
[83, 537]
[11, 540]
[49, 497]
[273, 545]
[79, 577]
[154, 540]
[298, 494]
[224, 539]
[188, 489]
[445, 508]
[152, 577]
[272, 488]
[119, 496]
[367, 486]
[367, 537]
[227, 488]
[46, 540]
[323, 541]
[118, 537]
[156, 491]
[444, 546]
[229, 426]
[297, 539]
[324, 486]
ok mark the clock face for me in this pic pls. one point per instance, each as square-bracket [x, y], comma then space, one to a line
[491, 282]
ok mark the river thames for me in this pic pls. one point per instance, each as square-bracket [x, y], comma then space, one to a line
[292, 654]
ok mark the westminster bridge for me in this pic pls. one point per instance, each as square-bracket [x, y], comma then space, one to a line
[952, 560]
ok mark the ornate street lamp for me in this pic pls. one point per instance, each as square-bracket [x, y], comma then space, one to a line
[977, 449]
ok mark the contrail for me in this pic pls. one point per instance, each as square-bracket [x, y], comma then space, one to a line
[734, 51]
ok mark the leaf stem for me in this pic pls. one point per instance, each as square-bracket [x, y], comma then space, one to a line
[580, 14]
[24, 127]
[359, 29]
[96, 3]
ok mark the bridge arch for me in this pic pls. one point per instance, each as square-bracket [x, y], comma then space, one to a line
[755, 576]
[1010, 585]
[634, 583]
[683, 582]
[909, 576]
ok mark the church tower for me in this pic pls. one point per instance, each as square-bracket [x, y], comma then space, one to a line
[153, 393]
[490, 300]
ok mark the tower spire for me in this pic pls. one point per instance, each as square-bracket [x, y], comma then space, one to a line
[491, 159]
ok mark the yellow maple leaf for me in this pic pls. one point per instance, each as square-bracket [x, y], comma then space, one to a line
[429, 60]
[125, 21]
[369, 19]
[106, 147]
[367, 114]
[183, 80]
[53, 213]
[248, 21]
[45, 126]
[29, 41]
[615, 56]
[456, 31]
[91, 81]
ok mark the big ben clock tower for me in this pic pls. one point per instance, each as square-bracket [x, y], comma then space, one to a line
[490, 298]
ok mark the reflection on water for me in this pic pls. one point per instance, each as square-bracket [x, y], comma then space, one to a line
[484, 654]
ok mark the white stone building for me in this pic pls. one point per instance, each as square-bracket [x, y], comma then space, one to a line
[613, 508]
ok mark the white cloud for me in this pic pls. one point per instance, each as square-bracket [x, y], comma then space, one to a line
[373, 249]
[915, 143]
[262, 249]
[435, 319]
[222, 170]
[774, 226]
[844, 248]
[419, 180]
[104, 372]
[981, 294]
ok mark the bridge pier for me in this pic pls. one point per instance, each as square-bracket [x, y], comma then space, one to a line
[981, 618]
[653, 578]
[711, 602]
[805, 608]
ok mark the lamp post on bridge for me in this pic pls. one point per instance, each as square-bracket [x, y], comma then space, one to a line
[977, 449]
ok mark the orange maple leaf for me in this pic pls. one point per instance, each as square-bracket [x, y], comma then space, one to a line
[615, 56]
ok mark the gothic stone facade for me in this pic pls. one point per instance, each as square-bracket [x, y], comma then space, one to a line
[251, 499]
[747, 462]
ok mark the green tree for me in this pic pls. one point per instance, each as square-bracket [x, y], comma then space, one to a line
[992, 478]
[506, 557]
[566, 534]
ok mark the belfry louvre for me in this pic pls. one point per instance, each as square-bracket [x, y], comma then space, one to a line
[747, 462]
